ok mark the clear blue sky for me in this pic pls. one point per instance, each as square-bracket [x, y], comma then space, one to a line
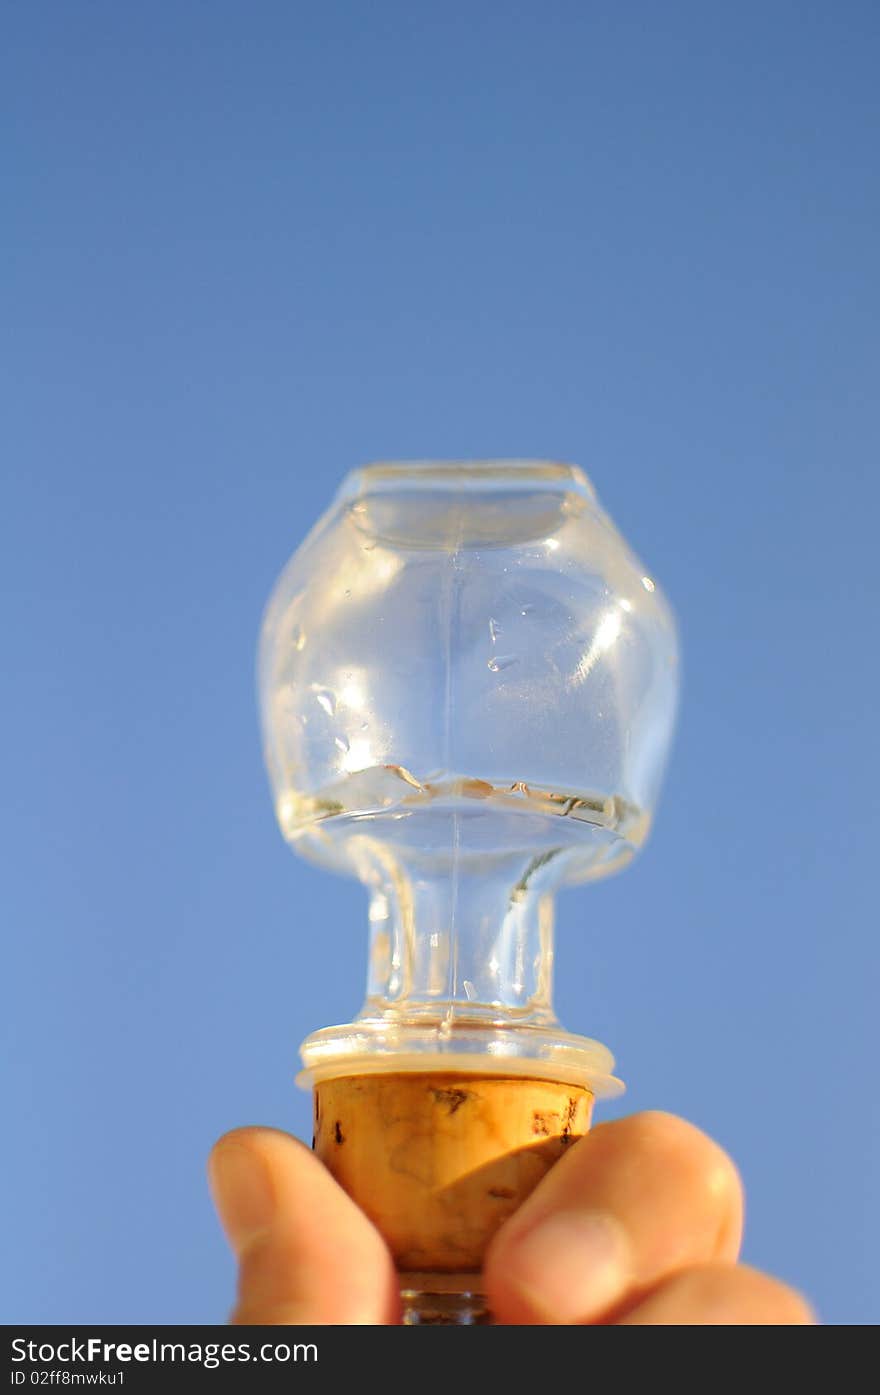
[247, 247]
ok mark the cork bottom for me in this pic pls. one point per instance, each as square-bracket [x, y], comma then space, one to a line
[439, 1162]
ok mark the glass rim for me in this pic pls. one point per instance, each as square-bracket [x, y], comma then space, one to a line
[466, 476]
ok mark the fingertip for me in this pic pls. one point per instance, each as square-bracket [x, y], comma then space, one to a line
[242, 1186]
[655, 1143]
[262, 1138]
[306, 1252]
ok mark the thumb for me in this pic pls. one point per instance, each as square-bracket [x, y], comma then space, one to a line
[306, 1253]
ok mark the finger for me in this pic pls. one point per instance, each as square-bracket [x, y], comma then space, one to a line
[632, 1202]
[721, 1295]
[306, 1253]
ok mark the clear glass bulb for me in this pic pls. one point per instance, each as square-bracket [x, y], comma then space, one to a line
[468, 685]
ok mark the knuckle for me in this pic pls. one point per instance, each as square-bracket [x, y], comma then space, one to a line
[724, 1291]
[790, 1306]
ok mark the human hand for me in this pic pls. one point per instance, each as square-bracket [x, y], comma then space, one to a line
[638, 1223]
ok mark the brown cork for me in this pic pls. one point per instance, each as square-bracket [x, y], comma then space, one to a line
[438, 1162]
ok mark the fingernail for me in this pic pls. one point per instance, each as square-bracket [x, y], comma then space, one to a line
[242, 1192]
[574, 1266]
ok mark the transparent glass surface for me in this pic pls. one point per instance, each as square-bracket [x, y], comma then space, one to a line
[468, 685]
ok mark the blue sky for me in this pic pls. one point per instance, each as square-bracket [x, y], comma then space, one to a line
[249, 247]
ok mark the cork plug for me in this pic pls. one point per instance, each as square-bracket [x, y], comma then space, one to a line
[438, 1163]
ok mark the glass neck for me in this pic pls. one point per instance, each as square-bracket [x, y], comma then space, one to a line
[458, 938]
